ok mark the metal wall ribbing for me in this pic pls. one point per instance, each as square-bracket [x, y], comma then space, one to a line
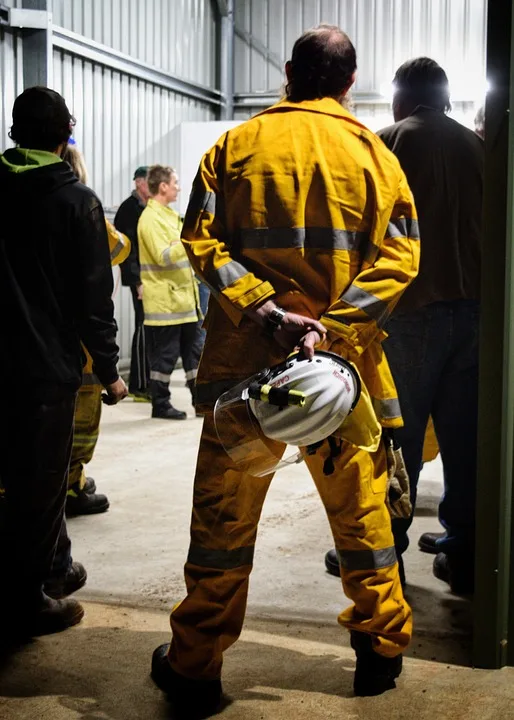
[178, 36]
[10, 75]
[385, 33]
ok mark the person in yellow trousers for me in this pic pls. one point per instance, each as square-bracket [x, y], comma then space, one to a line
[82, 498]
[304, 227]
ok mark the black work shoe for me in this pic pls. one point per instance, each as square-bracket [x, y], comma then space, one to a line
[55, 616]
[191, 699]
[457, 573]
[169, 413]
[83, 503]
[428, 542]
[332, 563]
[73, 579]
[374, 673]
[89, 486]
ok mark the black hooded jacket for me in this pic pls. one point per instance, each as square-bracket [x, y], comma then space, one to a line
[55, 276]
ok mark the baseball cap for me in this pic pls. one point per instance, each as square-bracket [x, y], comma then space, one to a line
[141, 172]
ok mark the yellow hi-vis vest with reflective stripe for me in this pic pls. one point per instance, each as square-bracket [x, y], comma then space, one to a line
[170, 290]
[305, 205]
[119, 247]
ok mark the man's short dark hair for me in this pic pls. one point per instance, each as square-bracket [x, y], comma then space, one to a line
[41, 120]
[322, 64]
[158, 174]
[423, 82]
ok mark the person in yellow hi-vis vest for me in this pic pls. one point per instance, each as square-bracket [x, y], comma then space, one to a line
[304, 227]
[170, 292]
[82, 498]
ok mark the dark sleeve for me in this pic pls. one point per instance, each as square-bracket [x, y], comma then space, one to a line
[125, 221]
[93, 288]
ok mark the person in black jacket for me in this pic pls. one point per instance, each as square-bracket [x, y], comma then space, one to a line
[55, 291]
[126, 221]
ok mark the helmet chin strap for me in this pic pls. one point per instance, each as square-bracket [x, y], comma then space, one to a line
[335, 446]
[335, 450]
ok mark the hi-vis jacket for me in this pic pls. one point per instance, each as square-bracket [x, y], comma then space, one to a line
[170, 290]
[119, 248]
[119, 244]
[304, 204]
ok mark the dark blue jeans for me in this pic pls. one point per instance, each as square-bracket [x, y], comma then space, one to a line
[433, 355]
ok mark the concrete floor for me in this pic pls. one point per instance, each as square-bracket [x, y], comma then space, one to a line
[293, 658]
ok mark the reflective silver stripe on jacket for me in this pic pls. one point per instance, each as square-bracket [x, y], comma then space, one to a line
[118, 247]
[191, 374]
[318, 238]
[168, 262]
[367, 559]
[220, 559]
[90, 379]
[165, 268]
[387, 408]
[170, 316]
[368, 303]
[201, 201]
[222, 277]
[160, 377]
[403, 227]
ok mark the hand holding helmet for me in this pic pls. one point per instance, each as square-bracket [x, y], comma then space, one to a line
[290, 330]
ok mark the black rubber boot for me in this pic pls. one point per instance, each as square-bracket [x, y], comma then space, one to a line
[428, 542]
[169, 413]
[190, 699]
[74, 579]
[80, 502]
[459, 573]
[374, 673]
[332, 563]
[90, 486]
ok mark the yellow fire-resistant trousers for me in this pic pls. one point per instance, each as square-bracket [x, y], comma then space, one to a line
[88, 411]
[226, 509]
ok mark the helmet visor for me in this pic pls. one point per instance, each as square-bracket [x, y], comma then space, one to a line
[242, 438]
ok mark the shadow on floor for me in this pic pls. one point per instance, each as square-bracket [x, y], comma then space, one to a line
[278, 670]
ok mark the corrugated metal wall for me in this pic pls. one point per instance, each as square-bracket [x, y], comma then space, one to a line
[178, 36]
[10, 75]
[385, 33]
[123, 122]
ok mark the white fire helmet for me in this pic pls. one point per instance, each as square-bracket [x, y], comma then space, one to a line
[297, 403]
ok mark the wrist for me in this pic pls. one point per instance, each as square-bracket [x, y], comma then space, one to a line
[259, 314]
[274, 319]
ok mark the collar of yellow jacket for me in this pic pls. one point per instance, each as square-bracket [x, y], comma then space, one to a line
[325, 106]
[162, 209]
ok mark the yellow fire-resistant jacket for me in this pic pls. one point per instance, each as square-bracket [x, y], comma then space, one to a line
[119, 247]
[119, 244]
[170, 291]
[304, 204]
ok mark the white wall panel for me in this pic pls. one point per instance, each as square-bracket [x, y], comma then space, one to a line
[385, 33]
[178, 36]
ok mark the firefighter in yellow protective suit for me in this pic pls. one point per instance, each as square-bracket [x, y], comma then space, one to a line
[82, 498]
[300, 208]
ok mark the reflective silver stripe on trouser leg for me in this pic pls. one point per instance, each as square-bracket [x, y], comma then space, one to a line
[367, 559]
[220, 559]
[160, 377]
